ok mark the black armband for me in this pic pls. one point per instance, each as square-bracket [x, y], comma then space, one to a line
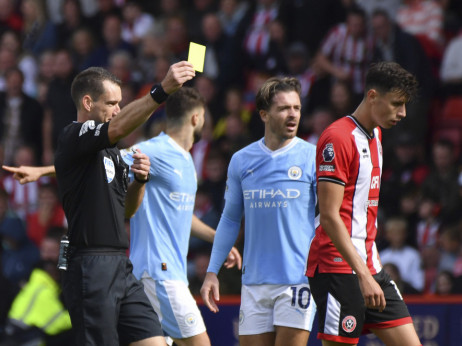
[142, 181]
[158, 93]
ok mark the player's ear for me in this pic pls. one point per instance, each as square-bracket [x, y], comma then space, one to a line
[263, 115]
[194, 119]
[87, 102]
[371, 94]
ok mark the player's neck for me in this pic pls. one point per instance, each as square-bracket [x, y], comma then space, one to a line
[363, 115]
[274, 143]
[183, 137]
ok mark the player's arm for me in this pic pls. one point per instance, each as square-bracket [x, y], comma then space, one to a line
[137, 112]
[330, 197]
[207, 233]
[135, 192]
[225, 237]
[27, 174]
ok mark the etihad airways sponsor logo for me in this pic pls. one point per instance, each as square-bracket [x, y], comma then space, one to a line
[185, 200]
[271, 198]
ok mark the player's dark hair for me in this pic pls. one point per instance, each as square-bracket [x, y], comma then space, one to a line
[391, 77]
[180, 103]
[271, 87]
[90, 82]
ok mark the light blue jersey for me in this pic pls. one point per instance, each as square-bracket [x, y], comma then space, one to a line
[160, 229]
[276, 190]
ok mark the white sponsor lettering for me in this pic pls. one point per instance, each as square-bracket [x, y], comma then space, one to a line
[181, 197]
[326, 168]
[375, 183]
[266, 194]
[87, 125]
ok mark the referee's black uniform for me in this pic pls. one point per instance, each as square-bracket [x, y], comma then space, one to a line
[106, 303]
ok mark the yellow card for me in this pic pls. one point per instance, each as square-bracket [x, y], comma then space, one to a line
[196, 56]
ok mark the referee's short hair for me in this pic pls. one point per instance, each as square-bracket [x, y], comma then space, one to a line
[90, 82]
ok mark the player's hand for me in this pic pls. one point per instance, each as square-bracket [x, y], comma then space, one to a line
[210, 291]
[372, 293]
[141, 165]
[177, 75]
[24, 174]
[234, 259]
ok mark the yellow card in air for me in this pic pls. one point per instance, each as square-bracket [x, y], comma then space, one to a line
[196, 56]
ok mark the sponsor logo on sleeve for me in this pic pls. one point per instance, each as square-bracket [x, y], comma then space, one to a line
[98, 130]
[87, 125]
[110, 169]
[326, 168]
[328, 153]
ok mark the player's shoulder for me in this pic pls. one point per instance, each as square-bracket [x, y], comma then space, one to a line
[339, 129]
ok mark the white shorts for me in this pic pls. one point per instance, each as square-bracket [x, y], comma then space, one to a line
[265, 306]
[177, 310]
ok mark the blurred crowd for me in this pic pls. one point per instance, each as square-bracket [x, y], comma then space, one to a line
[328, 45]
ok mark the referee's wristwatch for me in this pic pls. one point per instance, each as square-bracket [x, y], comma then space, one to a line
[142, 181]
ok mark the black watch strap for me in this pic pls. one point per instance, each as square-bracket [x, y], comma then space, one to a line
[142, 181]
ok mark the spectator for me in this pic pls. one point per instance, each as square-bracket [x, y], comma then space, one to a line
[402, 174]
[177, 37]
[201, 148]
[428, 225]
[445, 283]
[59, 107]
[341, 98]
[23, 198]
[450, 245]
[72, 20]
[38, 33]
[10, 19]
[403, 286]
[345, 53]
[451, 68]
[25, 62]
[49, 214]
[19, 254]
[423, 19]
[37, 314]
[223, 63]
[430, 259]
[406, 258]
[234, 16]
[317, 122]
[196, 12]
[21, 118]
[82, 45]
[391, 43]
[136, 23]
[112, 41]
[309, 21]
[443, 178]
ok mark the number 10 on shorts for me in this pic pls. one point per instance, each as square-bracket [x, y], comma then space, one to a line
[302, 297]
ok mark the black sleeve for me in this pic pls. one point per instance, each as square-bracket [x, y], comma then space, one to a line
[80, 139]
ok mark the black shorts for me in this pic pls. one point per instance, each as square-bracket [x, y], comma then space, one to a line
[107, 304]
[342, 313]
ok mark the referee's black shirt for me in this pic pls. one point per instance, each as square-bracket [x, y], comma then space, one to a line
[92, 182]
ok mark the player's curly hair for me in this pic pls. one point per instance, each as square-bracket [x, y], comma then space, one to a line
[180, 103]
[391, 77]
[271, 87]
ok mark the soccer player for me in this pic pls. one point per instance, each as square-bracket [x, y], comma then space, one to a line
[352, 292]
[273, 182]
[161, 228]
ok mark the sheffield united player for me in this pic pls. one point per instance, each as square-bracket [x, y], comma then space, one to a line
[352, 292]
